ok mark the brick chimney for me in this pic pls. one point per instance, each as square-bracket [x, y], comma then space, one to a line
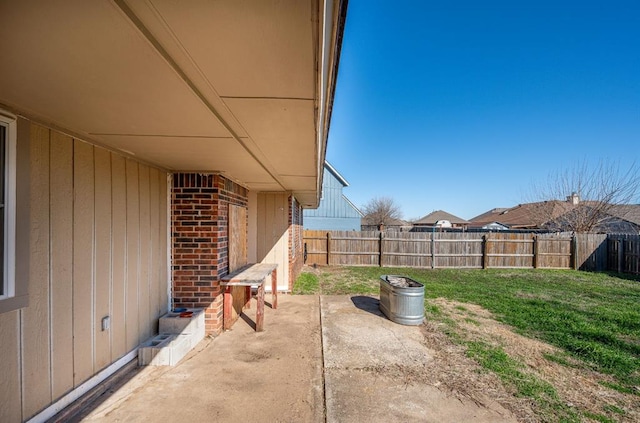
[574, 199]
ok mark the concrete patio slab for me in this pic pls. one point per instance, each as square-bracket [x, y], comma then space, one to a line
[242, 375]
[378, 371]
[329, 359]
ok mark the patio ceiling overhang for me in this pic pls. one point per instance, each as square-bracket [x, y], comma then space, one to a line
[240, 87]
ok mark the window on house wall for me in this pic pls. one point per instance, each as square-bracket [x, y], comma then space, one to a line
[7, 207]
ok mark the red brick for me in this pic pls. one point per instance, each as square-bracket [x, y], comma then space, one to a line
[199, 215]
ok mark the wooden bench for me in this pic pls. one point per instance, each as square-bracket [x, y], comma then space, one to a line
[250, 276]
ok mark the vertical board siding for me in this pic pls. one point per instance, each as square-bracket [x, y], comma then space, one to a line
[334, 212]
[273, 235]
[146, 327]
[83, 262]
[154, 251]
[36, 385]
[92, 212]
[61, 215]
[163, 225]
[333, 203]
[10, 383]
[102, 256]
[133, 256]
[118, 256]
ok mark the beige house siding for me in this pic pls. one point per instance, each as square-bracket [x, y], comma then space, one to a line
[273, 234]
[98, 247]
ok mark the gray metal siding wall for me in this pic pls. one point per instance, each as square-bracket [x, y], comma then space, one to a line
[334, 212]
[334, 224]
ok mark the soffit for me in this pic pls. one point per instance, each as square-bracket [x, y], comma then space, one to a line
[271, 51]
[225, 86]
[282, 144]
[194, 153]
[84, 67]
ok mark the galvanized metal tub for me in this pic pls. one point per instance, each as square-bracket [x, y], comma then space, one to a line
[402, 299]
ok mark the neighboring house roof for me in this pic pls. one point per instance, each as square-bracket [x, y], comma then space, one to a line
[335, 173]
[437, 215]
[334, 203]
[522, 216]
[536, 215]
[495, 225]
[352, 205]
[488, 216]
[629, 212]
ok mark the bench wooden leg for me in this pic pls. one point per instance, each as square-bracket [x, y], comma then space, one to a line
[274, 289]
[247, 296]
[260, 308]
[227, 305]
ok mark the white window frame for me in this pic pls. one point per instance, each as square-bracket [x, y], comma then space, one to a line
[9, 259]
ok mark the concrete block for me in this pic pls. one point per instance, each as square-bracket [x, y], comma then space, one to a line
[173, 323]
[178, 335]
[165, 349]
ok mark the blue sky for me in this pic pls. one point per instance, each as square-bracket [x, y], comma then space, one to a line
[461, 106]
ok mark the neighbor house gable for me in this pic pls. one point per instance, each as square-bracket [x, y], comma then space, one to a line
[336, 211]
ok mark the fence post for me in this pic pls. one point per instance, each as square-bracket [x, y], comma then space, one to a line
[433, 250]
[328, 248]
[536, 252]
[485, 253]
[380, 247]
[620, 255]
[574, 251]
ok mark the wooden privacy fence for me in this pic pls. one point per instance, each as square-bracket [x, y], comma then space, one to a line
[624, 253]
[456, 250]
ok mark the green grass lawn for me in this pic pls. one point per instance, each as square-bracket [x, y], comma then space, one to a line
[592, 317]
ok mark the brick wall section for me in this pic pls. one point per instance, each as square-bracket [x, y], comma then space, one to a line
[199, 227]
[296, 247]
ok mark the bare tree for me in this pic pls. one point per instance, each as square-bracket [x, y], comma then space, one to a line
[585, 199]
[381, 211]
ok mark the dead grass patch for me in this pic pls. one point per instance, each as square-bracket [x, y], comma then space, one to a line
[578, 387]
